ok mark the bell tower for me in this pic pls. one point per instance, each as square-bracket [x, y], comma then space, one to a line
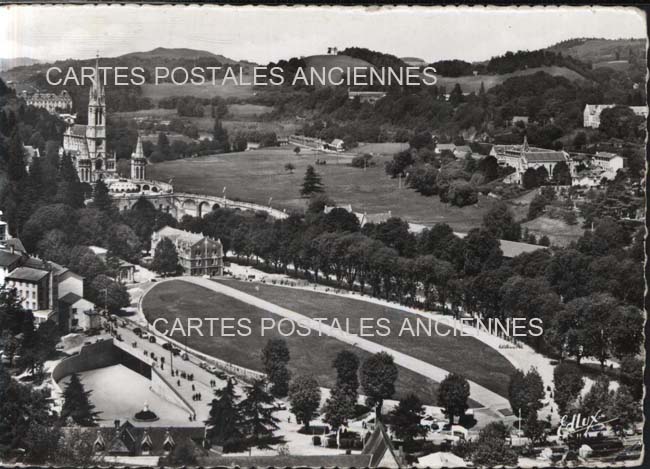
[96, 128]
[138, 162]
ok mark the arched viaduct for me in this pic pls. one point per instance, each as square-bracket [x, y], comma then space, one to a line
[179, 204]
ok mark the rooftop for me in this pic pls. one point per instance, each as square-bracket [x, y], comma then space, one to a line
[513, 248]
[27, 274]
[8, 258]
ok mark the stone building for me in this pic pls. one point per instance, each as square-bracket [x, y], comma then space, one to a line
[591, 114]
[51, 102]
[86, 144]
[197, 254]
[524, 157]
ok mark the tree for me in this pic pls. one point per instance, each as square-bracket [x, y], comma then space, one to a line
[275, 357]
[101, 198]
[530, 179]
[562, 174]
[296, 150]
[568, 382]
[107, 292]
[346, 364]
[304, 395]
[182, 455]
[258, 421]
[76, 404]
[165, 258]
[525, 392]
[124, 243]
[598, 398]
[533, 428]
[224, 423]
[625, 408]
[500, 223]
[378, 375]
[405, 419]
[491, 448]
[312, 182]
[453, 394]
[339, 407]
[69, 189]
[289, 167]
[220, 136]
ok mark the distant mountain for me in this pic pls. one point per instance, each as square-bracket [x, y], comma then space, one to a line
[6, 64]
[181, 54]
[600, 51]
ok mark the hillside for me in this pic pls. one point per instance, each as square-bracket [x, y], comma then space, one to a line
[596, 51]
[180, 54]
[318, 62]
[6, 64]
[472, 83]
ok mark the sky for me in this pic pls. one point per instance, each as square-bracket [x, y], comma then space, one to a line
[263, 34]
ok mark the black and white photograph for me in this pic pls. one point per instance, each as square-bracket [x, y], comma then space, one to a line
[322, 236]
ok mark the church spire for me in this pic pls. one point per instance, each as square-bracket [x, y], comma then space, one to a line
[97, 90]
[138, 153]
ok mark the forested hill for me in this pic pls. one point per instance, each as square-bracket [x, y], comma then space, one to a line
[599, 51]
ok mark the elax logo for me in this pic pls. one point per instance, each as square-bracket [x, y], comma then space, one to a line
[580, 424]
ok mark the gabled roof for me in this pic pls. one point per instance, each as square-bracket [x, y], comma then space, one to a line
[16, 244]
[548, 156]
[379, 445]
[70, 298]
[27, 274]
[8, 258]
[77, 130]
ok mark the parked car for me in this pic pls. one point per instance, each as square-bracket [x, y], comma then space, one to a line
[203, 365]
[184, 356]
[152, 339]
[137, 331]
[167, 346]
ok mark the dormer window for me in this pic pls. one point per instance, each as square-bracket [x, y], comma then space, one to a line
[168, 444]
[99, 445]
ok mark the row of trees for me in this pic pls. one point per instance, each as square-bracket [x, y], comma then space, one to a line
[376, 376]
[437, 269]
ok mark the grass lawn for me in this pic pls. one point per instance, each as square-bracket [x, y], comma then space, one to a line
[309, 355]
[255, 176]
[463, 355]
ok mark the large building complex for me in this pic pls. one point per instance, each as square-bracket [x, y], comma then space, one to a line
[524, 157]
[592, 113]
[51, 102]
[197, 254]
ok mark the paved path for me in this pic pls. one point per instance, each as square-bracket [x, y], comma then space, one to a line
[478, 393]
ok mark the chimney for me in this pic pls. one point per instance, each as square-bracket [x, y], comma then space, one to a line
[117, 424]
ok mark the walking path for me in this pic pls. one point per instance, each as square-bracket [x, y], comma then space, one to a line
[522, 356]
[478, 393]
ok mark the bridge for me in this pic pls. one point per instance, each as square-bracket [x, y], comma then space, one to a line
[179, 204]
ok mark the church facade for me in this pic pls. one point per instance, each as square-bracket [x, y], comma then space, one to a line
[86, 144]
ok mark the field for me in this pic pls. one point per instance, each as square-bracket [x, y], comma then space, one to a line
[473, 83]
[257, 175]
[559, 232]
[464, 355]
[178, 299]
[165, 90]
